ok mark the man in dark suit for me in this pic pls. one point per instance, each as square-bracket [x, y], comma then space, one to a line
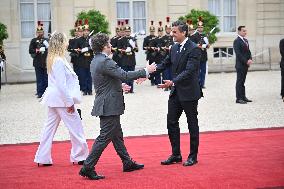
[184, 59]
[243, 61]
[109, 105]
[281, 47]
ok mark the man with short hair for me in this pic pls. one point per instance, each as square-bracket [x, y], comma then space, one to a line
[243, 61]
[184, 59]
[109, 105]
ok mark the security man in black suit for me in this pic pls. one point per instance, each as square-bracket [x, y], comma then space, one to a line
[243, 61]
[149, 45]
[184, 59]
[84, 59]
[281, 47]
[38, 51]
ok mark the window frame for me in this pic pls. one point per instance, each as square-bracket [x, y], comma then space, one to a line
[221, 15]
[131, 18]
[35, 7]
[220, 52]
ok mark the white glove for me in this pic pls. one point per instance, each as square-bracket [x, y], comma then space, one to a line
[46, 44]
[206, 40]
[132, 43]
[1, 64]
[42, 49]
[128, 49]
[84, 49]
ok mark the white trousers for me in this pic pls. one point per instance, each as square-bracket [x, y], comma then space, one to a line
[73, 122]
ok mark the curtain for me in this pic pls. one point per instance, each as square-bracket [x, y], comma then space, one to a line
[43, 14]
[122, 10]
[229, 13]
[27, 19]
[139, 16]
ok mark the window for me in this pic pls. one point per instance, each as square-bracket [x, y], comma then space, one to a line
[32, 11]
[223, 52]
[134, 11]
[225, 10]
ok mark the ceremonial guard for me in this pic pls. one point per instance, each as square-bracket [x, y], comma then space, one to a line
[128, 46]
[84, 59]
[168, 42]
[161, 51]
[119, 50]
[192, 33]
[38, 51]
[2, 60]
[74, 54]
[113, 42]
[149, 45]
[203, 44]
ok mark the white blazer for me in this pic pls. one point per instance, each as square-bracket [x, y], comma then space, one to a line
[63, 86]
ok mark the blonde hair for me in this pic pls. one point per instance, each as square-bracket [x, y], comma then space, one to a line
[57, 48]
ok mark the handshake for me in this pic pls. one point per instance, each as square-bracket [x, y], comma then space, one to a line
[150, 68]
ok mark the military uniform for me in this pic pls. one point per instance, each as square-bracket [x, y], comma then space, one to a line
[203, 44]
[38, 51]
[74, 54]
[113, 42]
[127, 46]
[149, 45]
[192, 34]
[84, 61]
[2, 59]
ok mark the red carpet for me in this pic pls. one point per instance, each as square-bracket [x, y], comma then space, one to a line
[237, 159]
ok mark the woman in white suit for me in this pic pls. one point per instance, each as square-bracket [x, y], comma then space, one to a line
[62, 93]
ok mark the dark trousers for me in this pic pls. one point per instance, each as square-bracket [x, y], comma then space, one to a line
[85, 80]
[129, 82]
[41, 80]
[110, 132]
[240, 84]
[282, 82]
[0, 77]
[202, 73]
[175, 109]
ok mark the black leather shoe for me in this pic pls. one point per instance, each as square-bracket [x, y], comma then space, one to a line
[79, 162]
[172, 159]
[44, 164]
[90, 174]
[241, 101]
[190, 162]
[132, 166]
[85, 93]
[90, 93]
[247, 100]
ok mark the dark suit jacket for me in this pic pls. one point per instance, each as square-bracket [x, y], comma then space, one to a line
[185, 70]
[107, 77]
[243, 53]
[281, 47]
